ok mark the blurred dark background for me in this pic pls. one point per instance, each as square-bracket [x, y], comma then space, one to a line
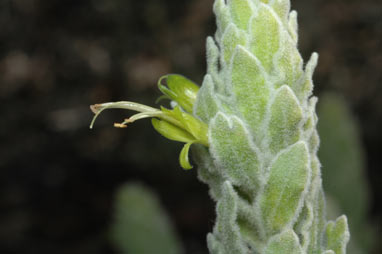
[57, 177]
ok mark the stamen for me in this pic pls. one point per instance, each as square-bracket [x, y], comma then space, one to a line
[120, 125]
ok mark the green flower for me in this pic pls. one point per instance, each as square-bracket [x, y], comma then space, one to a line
[176, 124]
[180, 89]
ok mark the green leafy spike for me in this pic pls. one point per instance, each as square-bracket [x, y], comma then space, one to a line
[252, 129]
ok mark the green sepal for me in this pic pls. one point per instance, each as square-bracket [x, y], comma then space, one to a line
[171, 131]
[162, 97]
[179, 89]
[194, 126]
[184, 158]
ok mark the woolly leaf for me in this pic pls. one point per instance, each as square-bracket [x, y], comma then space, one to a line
[241, 11]
[213, 245]
[265, 36]
[302, 226]
[226, 227]
[250, 88]
[288, 63]
[286, 114]
[317, 200]
[212, 57]
[285, 188]
[222, 17]
[206, 104]
[337, 235]
[231, 38]
[293, 26]
[314, 141]
[284, 243]
[282, 8]
[303, 87]
[233, 151]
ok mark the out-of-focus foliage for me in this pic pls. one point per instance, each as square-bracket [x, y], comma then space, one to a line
[342, 157]
[140, 223]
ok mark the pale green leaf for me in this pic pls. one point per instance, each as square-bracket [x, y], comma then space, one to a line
[206, 105]
[250, 88]
[226, 227]
[223, 17]
[232, 37]
[303, 224]
[286, 115]
[282, 8]
[284, 190]
[293, 26]
[233, 151]
[286, 242]
[265, 35]
[214, 246]
[241, 12]
[288, 63]
[337, 235]
[316, 196]
[212, 57]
